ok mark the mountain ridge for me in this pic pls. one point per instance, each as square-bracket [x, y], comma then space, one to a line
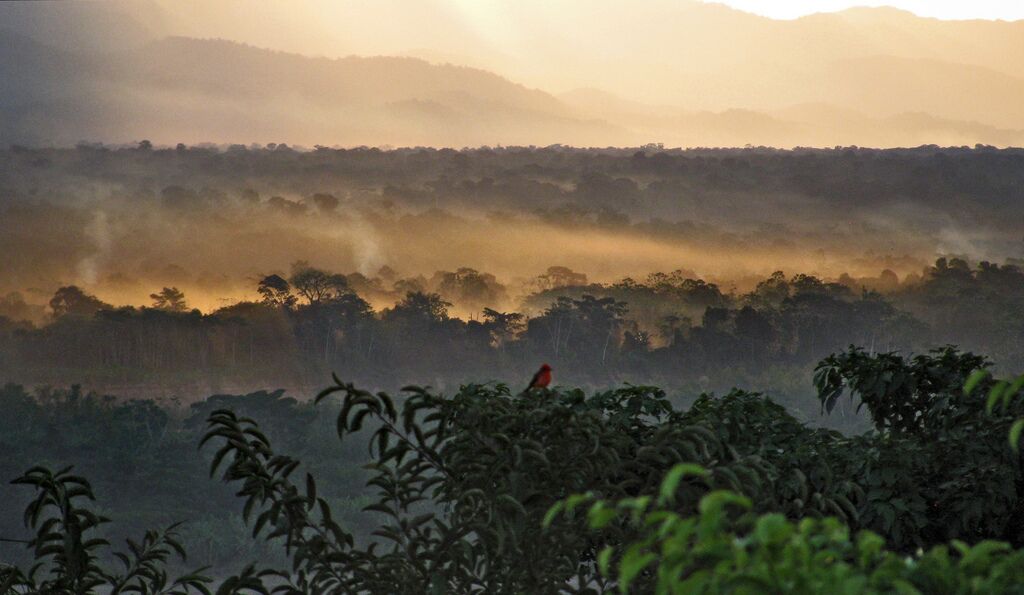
[186, 89]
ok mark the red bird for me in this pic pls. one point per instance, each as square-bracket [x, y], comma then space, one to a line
[541, 379]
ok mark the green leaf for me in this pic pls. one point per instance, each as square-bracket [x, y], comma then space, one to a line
[600, 515]
[575, 500]
[552, 512]
[632, 563]
[994, 395]
[670, 484]
[1015, 431]
[717, 500]
[772, 529]
[974, 380]
[604, 559]
[1016, 386]
[310, 490]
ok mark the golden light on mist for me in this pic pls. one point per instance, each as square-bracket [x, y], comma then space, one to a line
[939, 9]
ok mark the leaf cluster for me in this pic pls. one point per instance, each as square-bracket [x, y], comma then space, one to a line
[67, 547]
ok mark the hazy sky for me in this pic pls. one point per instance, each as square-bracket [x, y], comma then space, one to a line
[681, 72]
[942, 9]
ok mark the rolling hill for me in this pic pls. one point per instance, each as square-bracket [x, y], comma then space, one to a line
[680, 73]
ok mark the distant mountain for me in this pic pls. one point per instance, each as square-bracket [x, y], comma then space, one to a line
[687, 73]
[95, 26]
[190, 90]
[702, 56]
[809, 125]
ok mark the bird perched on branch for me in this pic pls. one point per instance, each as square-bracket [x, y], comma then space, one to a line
[541, 379]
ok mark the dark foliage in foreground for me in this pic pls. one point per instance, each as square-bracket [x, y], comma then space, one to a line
[67, 550]
[464, 482]
[479, 492]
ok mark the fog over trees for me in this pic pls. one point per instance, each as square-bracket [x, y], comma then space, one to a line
[584, 297]
[629, 264]
[109, 219]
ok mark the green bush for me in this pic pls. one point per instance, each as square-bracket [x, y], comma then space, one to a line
[725, 548]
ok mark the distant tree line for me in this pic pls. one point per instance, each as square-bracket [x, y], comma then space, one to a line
[670, 328]
[605, 178]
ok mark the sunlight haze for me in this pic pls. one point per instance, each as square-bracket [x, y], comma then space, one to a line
[464, 73]
[941, 9]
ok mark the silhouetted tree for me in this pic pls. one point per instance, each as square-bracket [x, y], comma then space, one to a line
[72, 301]
[417, 305]
[325, 203]
[276, 291]
[559, 276]
[316, 285]
[170, 299]
[470, 288]
[502, 326]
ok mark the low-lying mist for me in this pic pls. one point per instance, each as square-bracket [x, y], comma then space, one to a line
[124, 223]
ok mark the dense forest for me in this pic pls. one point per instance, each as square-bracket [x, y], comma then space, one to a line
[209, 220]
[643, 264]
[155, 299]
[670, 329]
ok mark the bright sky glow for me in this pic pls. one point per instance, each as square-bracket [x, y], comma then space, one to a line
[942, 9]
